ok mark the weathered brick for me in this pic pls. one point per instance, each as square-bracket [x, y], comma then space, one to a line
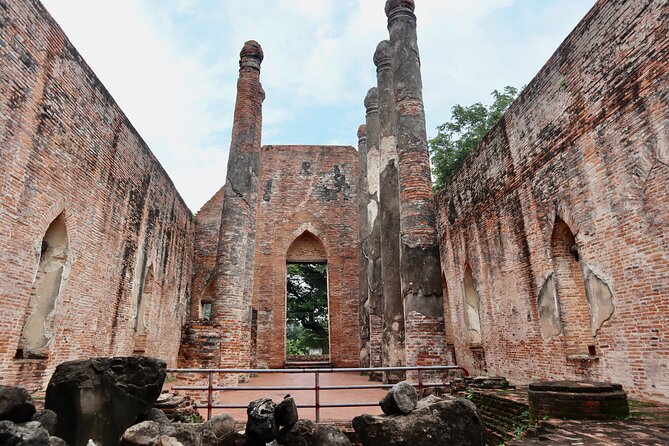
[66, 148]
[586, 143]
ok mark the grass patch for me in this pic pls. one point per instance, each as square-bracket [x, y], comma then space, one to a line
[636, 404]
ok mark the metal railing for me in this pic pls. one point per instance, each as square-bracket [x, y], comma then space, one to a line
[317, 388]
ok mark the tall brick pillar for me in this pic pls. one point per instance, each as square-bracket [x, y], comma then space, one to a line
[420, 269]
[393, 310]
[234, 264]
[363, 309]
[372, 245]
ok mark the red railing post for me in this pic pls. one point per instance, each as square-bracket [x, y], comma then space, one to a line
[317, 388]
[210, 391]
[420, 383]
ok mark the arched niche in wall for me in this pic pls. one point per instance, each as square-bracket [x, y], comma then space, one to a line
[472, 307]
[448, 327]
[570, 286]
[206, 301]
[144, 301]
[448, 323]
[37, 332]
[306, 248]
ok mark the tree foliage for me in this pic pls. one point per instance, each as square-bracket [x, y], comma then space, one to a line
[307, 312]
[467, 127]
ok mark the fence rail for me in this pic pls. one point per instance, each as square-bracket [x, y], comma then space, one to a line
[317, 388]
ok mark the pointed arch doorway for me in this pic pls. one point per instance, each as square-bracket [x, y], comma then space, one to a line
[307, 319]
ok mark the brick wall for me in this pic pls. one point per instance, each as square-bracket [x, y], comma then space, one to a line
[67, 149]
[587, 143]
[314, 189]
[207, 229]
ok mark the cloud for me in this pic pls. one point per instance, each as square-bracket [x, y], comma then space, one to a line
[172, 65]
[178, 103]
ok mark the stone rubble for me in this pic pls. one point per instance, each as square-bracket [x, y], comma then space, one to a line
[434, 422]
[21, 424]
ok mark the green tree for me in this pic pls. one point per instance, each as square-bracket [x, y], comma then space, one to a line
[307, 312]
[467, 127]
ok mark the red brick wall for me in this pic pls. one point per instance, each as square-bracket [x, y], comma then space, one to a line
[66, 147]
[307, 188]
[588, 143]
[207, 229]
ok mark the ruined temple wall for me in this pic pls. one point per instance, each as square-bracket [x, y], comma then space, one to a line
[587, 142]
[207, 229]
[314, 189]
[67, 148]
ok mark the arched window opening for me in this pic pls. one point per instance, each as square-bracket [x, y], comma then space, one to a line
[307, 318]
[38, 332]
[573, 303]
[206, 301]
[472, 308]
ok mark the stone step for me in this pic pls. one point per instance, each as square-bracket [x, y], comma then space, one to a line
[308, 365]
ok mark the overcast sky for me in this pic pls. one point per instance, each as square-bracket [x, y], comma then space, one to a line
[172, 65]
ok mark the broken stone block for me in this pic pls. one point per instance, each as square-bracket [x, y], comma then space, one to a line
[48, 419]
[327, 435]
[299, 434]
[223, 426]
[16, 404]
[55, 441]
[261, 424]
[489, 382]
[99, 398]
[25, 434]
[435, 422]
[142, 434]
[156, 415]
[286, 412]
[400, 399]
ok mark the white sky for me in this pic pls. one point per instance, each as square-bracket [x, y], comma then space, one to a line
[172, 65]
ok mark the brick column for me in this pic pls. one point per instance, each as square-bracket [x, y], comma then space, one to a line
[363, 308]
[372, 246]
[420, 269]
[234, 264]
[393, 310]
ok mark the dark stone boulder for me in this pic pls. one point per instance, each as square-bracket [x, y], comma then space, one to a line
[261, 425]
[299, 434]
[156, 415]
[434, 422]
[48, 419]
[100, 398]
[25, 434]
[223, 427]
[330, 436]
[16, 404]
[285, 413]
[400, 399]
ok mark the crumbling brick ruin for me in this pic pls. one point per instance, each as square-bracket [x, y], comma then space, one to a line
[557, 223]
[96, 243]
[544, 257]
